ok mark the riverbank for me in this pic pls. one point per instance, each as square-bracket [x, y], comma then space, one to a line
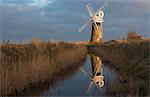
[25, 64]
[131, 60]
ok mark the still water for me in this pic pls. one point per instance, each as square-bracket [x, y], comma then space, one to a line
[76, 81]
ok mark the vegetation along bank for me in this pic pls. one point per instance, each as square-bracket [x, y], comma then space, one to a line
[25, 64]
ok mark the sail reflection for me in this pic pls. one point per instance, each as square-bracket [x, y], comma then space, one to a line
[97, 70]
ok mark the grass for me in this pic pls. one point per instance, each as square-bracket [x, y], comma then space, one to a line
[48, 85]
[25, 64]
[131, 60]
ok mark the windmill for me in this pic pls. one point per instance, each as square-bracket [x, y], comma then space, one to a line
[97, 23]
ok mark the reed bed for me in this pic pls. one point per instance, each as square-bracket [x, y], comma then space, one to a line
[48, 85]
[131, 60]
[25, 64]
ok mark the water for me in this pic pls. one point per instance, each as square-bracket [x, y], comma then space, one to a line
[76, 82]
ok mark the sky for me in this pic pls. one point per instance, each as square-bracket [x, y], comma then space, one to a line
[22, 20]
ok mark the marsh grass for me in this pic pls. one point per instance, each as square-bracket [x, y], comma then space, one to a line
[25, 64]
[48, 85]
[131, 60]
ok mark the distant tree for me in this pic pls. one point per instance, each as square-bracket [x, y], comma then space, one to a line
[133, 36]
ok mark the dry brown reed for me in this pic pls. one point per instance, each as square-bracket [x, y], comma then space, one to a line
[131, 60]
[25, 64]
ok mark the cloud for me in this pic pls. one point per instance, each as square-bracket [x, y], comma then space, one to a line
[41, 3]
[28, 2]
[24, 5]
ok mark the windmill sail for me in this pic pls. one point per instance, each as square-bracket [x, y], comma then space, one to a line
[84, 25]
[91, 12]
[102, 7]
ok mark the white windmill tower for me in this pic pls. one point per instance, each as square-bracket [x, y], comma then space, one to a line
[97, 23]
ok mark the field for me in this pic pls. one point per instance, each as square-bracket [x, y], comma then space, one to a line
[23, 65]
[131, 61]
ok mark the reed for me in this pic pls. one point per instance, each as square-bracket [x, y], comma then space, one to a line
[131, 60]
[25, 64]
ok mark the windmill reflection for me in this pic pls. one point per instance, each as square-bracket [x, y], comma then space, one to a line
[96, 77]
[97, 70]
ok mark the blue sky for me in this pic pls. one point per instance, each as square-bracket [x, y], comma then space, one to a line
[21, 20]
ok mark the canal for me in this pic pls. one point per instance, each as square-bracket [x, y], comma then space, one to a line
[80, 80]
